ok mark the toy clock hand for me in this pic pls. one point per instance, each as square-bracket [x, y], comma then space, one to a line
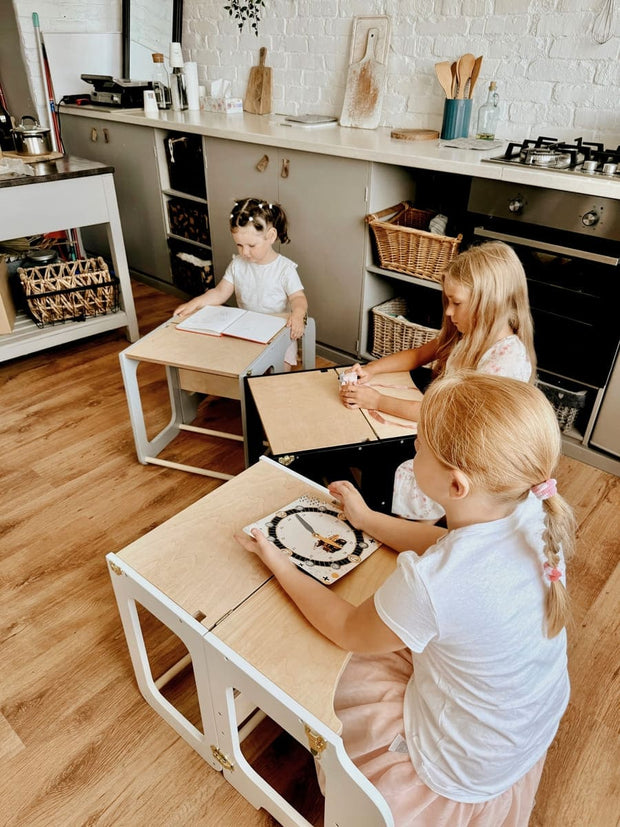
[309, 528]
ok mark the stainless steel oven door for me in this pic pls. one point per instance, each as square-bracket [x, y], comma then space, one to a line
[573, 298]
[606, 433]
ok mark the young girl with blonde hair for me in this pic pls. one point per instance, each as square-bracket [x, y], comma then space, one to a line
[487, 326]
[460, 678]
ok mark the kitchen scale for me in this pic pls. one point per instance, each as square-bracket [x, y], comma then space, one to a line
[317, 537]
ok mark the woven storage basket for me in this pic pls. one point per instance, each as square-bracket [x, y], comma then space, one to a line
[565, 403]
[69, 290]
[392, 334]
[403, 243]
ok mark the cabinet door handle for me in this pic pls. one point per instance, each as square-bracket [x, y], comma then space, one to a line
[94, 135]
[106, 136]
[284, 168]
[262, 165]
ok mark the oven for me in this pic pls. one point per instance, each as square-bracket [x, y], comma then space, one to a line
[569, 245]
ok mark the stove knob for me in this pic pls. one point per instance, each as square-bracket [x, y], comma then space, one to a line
[589, 219]
[516, 204]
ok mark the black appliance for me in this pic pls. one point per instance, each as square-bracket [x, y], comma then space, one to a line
[569, 244]
[117, 92]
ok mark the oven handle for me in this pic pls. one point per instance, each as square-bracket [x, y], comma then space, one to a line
[543, 245]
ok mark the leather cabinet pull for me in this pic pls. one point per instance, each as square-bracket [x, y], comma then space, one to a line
[284, 168]
[262, 165]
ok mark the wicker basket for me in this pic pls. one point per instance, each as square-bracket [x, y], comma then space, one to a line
[392, 333]
[565, 403]
[69, 290]
[403, 243]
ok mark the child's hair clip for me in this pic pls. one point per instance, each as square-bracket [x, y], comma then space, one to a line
[260, 206]
[250, 219]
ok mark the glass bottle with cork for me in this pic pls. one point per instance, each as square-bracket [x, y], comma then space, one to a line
[488, 115]
[161, 82]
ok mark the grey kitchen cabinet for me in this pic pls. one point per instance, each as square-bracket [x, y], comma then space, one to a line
[325, 200]
[131, 151]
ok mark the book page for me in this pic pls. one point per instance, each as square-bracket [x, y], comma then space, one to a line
[255, 327]
[211, 320]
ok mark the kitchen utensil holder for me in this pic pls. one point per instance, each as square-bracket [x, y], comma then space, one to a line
[69, 291]
[393, 332]
[404, 244]
[456, 117]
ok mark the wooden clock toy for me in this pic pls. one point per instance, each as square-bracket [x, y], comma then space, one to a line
[317, 537]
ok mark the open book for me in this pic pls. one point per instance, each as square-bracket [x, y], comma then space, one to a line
[232, 321]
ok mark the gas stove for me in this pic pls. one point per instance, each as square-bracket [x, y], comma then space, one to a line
[577, 158]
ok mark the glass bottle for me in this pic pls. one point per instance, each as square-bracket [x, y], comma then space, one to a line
[488, 115]
[6, 124]
[161, 82]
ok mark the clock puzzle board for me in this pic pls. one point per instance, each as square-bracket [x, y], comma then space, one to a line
[317, 537]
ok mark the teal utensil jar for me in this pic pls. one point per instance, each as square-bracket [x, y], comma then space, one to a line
[456, 117]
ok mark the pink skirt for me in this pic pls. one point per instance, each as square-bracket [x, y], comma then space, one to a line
[369, 702]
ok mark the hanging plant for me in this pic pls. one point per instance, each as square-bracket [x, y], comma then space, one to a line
[246, 11]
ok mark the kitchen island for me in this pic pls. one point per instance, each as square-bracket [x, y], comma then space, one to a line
[67, 193]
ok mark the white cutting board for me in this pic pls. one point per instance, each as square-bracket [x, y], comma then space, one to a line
[367, 72]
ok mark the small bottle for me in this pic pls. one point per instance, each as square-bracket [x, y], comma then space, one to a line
[488, 115]
[161, 82]
[178, 89]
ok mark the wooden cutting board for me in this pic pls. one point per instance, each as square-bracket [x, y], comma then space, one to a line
[364, 90]
[414, 134]
[258, 93]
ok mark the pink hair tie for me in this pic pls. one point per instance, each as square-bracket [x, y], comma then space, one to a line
[545, 489]
[552, 574]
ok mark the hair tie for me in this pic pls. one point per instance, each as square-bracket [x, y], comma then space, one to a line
[271, 206]
[232, 215]
[260, 206]
[545, 489]
[551, 573]
[250, 218]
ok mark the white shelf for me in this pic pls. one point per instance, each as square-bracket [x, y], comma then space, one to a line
[196, 244]
[184, 195]
[392, 274]
[28, 338]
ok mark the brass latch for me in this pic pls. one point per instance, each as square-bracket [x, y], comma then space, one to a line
[316, 742]
[221, 758]
[116, 569]
[286, 459]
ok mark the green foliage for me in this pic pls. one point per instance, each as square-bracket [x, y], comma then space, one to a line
[246, 11]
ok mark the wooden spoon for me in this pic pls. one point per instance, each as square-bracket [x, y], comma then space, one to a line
[455, 84]
[444, 76]
[474, 76]
[464, 67]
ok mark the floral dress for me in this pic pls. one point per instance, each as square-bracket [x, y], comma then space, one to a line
[508, 357]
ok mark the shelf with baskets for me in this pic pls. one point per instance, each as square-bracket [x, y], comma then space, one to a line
[81, 194]
[186, 211]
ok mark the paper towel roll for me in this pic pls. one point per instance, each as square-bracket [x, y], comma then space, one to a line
[191, 84]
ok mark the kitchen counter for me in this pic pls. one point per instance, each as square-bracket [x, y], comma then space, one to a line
[347, 142]
[60, 169]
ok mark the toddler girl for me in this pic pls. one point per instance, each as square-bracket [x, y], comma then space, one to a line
[261, 279]
[486, 325]
[460, 678]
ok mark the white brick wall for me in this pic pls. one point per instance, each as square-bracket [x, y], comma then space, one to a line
[552, 77]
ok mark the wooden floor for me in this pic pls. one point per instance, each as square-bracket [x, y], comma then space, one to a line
[78, 745]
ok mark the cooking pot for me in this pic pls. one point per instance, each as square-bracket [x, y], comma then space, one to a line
[31, 139]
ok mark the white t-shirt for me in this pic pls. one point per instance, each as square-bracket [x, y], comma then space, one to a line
[263, 288]
[488, 688]
[508, 357]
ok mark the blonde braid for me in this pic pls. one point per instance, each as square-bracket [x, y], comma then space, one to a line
[559, 535]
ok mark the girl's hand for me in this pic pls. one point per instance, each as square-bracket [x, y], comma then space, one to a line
[184, 310]
[363, 373]
[297, 325]
[258, 544]
[355, 509]
[360, 396]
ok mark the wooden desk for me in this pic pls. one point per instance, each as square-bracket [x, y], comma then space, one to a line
[211, 364]
[307, 427]
[248, 644]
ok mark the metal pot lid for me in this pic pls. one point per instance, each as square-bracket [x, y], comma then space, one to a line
[42, 256]
[34, 129]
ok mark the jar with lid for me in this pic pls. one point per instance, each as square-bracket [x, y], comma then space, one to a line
[488, 115]
[161, 82]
